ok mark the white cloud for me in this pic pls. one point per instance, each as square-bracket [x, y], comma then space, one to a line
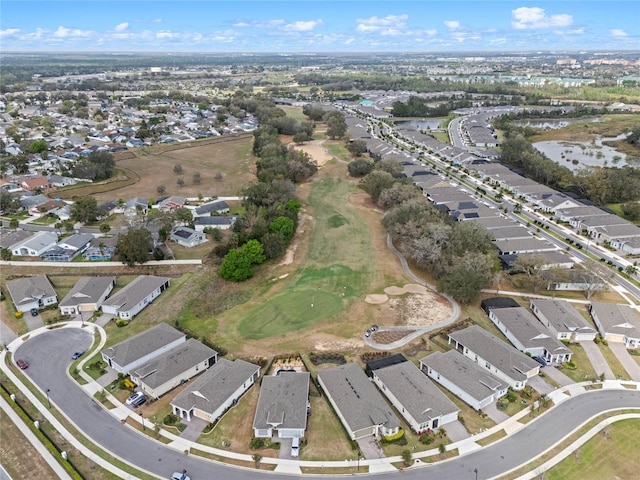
[452, 24]
[390, 23]
[260, 24]
[167, 34]
[121, 27]
[575, 31]
[498, 41]
[65, 32]
[616, 32]
[302, 26]
[535, 17]
[9, 32]
[349, 41]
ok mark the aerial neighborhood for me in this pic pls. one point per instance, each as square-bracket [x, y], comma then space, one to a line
[223, 265]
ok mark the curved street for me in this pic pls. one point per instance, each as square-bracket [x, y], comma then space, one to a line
[49, 360]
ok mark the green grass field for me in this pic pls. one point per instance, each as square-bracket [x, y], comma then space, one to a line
[607, 455]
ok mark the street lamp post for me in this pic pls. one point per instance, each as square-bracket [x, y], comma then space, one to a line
[359, 455]
[142, 419]
[475, 470]
[47, 394]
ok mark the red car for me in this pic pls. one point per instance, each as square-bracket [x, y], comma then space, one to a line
[22, 364]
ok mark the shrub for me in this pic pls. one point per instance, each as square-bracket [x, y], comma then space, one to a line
[122, 323]
[511, 397]
[426, 439]
[256, 443]
[570, 365]
[170, 419]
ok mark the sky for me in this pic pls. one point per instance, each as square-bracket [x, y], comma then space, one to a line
[318, 25]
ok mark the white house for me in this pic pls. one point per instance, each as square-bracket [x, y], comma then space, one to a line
[282, 406]
[617, 323]
[36, 245]
[216, 390]
[173, 367]
[135, 296]
[142, 347]
[87, 295]
[414, 396]
[31, 292]
[358, 404]
[187, 237]
[562, 320]
[464, 378]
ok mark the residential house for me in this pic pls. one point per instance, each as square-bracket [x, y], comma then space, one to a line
[28, 202]
[87, 295]
[31, 292]
[101, 248]
[174, 367]
[67, 249]
[415, 397]
[139, 349]
[488, 351]
[562, 320]
[108, 208]
[463, 377]
[34, 183]
[574, 280]
[528, 335]
[628, 245]
[526, 245]
[11, 239]
[59, 181]
[358, 404]
[218, 207]
[44, 208]
[220, 222]
[216, 390]
[136, 206]
[283, 406]
[187, 237]
[135, 296]
[617, 323]
[497, 302]
[172, 203]
[36, 245]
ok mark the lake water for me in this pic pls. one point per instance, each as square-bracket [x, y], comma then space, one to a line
[552, 123]
[576, 155]
[420, 124]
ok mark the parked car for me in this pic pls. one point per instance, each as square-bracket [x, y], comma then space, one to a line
[367, 333]
[374, 328]
[133, 398]
[77, 355]
[180, 476]
[22, 364]
[139, 402]
[295, 447]
[34, 312]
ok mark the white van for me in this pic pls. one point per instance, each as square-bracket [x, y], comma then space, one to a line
[295, 447]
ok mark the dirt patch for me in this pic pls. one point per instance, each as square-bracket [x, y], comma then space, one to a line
[408, 288]
[338, 345]
[385, 337]
[316, 150]
[363, 199]
[421, 310]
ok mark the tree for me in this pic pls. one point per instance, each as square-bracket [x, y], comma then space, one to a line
[134, 246]
[177, 168]
[395, 195]
[360, 167]
[38, 146]
[631, 270]
[357, 147]
[336, 125]
[301, 137]
[236, 266]
[254, 251]
[5, 254]
[161, 189]
[180, 181]
[375, 182]
[97, 166]
[274, 244]
[84, 210]
[105, 228]
[283, 225]
[406, 457]
[196, 178]
[14, 224]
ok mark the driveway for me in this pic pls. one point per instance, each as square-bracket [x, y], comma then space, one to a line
[194, 429]
[556, 375]
[539, 385]
[456, 431]
[370, 448]
[597, 360]
[496, 415]
[6, 334]
[33, 322]
[627, 361]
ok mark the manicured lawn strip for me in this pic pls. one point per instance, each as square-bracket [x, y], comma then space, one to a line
[473, 421]
[614, 363]
[492, 438]
[531, 466]
[584, 370]
[612, 453]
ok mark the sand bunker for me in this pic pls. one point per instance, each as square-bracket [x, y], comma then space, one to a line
[316, 151]
[338, 345]
[420, 308]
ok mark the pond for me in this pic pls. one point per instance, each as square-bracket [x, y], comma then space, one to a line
[576, 155]
[420, 124]
[553, 123]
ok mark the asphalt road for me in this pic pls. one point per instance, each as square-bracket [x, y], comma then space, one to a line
[49, 356]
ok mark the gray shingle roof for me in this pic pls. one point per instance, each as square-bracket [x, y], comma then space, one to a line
[40, 240]
[214, 387]
[26, 290]
[501, 355]
[360, 404]
[464, 373]
[417, 394]
[283, 401]
[173, 363]
[9, 239]
[142, 344]
[617, 319]
[87, 290]
[77, 240]
[561, 315]
[135, 292]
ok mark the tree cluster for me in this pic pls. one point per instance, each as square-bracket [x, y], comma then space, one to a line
[419, 107]
[97, 166]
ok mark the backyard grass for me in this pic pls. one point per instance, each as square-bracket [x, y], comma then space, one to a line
[612, 453]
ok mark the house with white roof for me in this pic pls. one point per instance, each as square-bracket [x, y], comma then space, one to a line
[31, 292]
[35, 245]
[135, 296]
[87, 295]
[617, 323]
[564, 321]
